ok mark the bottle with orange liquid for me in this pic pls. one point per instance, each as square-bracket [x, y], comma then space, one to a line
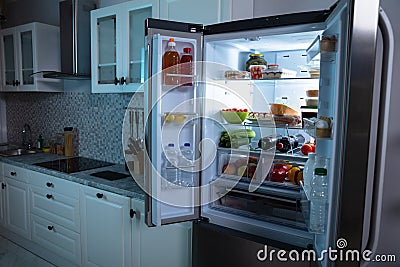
[170, 64]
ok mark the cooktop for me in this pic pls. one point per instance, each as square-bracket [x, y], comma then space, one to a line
[75, 164]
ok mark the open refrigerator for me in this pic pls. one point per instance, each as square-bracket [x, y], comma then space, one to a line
[252, 203]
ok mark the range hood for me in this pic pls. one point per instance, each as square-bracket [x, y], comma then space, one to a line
[74, 40]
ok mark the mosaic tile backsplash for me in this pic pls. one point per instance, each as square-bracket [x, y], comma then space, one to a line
[98, 117]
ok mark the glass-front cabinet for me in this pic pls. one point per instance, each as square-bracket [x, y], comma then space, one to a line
[28, 49]
[118, 46]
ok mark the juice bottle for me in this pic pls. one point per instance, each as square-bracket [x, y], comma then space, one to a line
[170, 63]
[187, 66]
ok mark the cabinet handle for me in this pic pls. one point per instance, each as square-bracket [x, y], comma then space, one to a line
[132, 213]
[116, 81]
[49, 196]
[48, 184]
[50, 227]
[13, 173]
[3, 185]
[122, 80]
[99, 195]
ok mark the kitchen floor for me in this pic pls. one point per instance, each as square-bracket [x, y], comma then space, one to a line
[12, 255]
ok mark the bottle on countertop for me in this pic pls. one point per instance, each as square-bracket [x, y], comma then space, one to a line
[170, 64]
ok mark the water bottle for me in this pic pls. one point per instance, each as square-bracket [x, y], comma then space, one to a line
[308, 171]
[319, 198]
[170, 159]
[186, 162]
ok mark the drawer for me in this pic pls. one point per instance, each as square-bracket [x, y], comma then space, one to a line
[55, 184]
[55, 238]
[56, 207]
[16, 173]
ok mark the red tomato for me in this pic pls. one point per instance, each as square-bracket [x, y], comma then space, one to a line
[306, 148]
[313, 148]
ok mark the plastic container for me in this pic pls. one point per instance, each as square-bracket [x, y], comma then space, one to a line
[187, 66]
[256, 59]
[170, 64]
[319, 198]
[186, 164]
[170, 170]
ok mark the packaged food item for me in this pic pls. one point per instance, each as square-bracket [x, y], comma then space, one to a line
[236, 75]
[256, 59]
[273, 66]
[256, 71]
[187, 66]
[170, 63]
[314, 72]
[328, 44]
[277, 73]
[312, 102]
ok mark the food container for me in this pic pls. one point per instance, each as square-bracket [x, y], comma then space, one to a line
[256, 71]
[314, 72]
[312, 93]
[234, 117]
[273, 66]
[279, 73]
[281, 109]
[236, 75]
[256, 59]
[328, 44]
[312, 101]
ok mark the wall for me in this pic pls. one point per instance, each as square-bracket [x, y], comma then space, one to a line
[98, 118]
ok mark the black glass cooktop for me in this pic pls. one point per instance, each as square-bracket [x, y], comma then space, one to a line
[75, 164]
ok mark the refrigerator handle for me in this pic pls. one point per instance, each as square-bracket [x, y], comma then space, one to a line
[381, 144]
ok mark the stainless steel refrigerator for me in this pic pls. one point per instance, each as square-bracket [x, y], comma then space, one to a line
[235, 215]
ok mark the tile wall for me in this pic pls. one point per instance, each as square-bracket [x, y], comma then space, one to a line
[98, 117]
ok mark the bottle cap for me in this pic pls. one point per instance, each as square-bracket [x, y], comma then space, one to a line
[171, 145]
[320, 171]
[187, 50]
[171, 42]
[186, 144]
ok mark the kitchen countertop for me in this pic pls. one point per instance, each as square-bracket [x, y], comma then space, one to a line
[125, 186]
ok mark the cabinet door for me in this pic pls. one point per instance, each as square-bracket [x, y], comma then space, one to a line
[171, 243]
[192, 11]
[9, 60]
[106, 49]
[134, 45]
[26, 57]
[17, 208]
[106, 228]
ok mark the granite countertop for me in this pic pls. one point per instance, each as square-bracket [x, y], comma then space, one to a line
[125, 186]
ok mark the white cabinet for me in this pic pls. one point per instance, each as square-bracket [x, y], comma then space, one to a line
[106, 228]
[16, 201]
[168, 245]
[192, 11]
[118, 50]
[25, 50]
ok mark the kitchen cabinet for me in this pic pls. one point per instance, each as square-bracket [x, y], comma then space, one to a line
[203, 12]
[118, 46]
[16, 201]
[106, 228]
[28, 49]
[169, 245]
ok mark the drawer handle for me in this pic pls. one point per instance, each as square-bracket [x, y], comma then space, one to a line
[49, 184]
[49, 196]
[50, 227]
[3, 185]
[13, 173]
[99, 195]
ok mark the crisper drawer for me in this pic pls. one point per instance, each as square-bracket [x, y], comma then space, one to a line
[56, 207]
[57, 239]
[16, 173]
[264, 204]
[55, 184]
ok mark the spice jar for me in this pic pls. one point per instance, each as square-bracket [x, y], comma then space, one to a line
[255, 59]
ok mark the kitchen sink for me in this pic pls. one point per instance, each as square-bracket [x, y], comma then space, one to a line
[16, 152]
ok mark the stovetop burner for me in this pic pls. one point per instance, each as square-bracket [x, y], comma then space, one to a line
[75, 164]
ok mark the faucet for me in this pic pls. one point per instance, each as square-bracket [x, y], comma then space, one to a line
[27, 137]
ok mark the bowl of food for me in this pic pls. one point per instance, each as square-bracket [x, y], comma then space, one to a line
[234, 115]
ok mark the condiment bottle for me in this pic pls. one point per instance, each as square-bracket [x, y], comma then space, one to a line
[187, 66]
[170, 63]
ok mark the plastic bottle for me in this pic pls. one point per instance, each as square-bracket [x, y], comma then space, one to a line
[319, 198]
[308, 171]
[187, 66]
[186, 162]
[170, 159]
[170, 64]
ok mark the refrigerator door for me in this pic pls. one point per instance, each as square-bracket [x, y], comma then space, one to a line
[172, 116]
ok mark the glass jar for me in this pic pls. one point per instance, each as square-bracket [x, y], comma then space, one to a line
[255, 59]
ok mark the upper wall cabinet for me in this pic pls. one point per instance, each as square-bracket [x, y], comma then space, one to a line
[25, 50]
[118, 46]
[203, 12]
